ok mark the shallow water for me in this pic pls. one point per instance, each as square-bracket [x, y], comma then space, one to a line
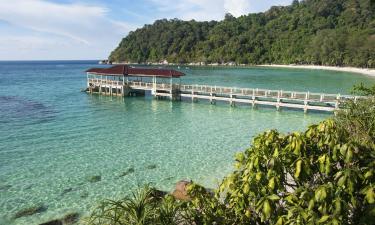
[54, 138]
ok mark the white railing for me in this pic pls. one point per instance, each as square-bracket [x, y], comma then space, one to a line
[257, 92]
[105, 82]
[252, 92]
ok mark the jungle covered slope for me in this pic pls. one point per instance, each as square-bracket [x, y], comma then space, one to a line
[321, 32]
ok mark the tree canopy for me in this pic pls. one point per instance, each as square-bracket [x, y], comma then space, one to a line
[321, 32]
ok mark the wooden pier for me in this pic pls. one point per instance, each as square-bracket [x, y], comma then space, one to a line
[129, 84]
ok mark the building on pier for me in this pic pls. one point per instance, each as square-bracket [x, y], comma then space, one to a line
[124, 80]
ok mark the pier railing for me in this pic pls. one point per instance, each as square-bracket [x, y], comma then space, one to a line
[254, 96]
[257, 92]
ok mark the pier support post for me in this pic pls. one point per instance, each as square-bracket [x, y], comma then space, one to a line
[337, 101]
[212, 98]
[253, 98]
[231, 101]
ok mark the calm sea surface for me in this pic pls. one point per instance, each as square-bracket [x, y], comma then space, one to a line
[54, 138]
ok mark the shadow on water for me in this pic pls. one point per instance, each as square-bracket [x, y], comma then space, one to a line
[20, 109]
[113, 103]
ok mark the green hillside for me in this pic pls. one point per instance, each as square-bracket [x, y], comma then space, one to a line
[322, 32]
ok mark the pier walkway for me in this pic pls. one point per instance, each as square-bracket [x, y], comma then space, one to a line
[110, 83]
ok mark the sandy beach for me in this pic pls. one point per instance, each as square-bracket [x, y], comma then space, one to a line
[368, 72]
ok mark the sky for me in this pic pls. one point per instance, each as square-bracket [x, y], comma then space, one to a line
[91, 29]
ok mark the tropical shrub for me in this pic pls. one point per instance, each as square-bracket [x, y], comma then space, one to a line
[145, 206]
[303, 178]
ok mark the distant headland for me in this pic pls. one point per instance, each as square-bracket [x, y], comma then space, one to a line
[330, 33]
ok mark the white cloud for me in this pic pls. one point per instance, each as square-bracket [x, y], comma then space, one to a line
[42, 29]
[77, 27]
[237, 7]
[203, 10]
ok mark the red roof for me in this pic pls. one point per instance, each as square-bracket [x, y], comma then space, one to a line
[125, 70]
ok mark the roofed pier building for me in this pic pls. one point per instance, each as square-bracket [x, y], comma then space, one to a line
[124, 80]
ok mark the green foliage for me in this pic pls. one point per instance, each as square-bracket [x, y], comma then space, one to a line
[145, 206]
[323, 175]
[323, 32]
[358, 120]
[318, 176]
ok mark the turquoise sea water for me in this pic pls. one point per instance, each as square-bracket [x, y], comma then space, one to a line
[54, 138]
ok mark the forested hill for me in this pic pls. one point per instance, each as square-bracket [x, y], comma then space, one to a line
[322, 32]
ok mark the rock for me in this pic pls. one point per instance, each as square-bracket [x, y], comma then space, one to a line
[30, 211]
[52, 222]
[159, 194]
[151, 167]
[84, 195]
[168, 179]
[127, 172]
[65, 191]
[180, 191]
[94, 179]
[5, 187]
[68, 219]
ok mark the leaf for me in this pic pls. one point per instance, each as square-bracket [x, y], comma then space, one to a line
[240, 157]
[273, 197]
[248, 213]
[349, 156]
[271, 183]
[337, 206]
[297, 147]
[341, 181]
[246, 188]
[323, 219]
[280, 221]
[368, 174]
[311, 204]
[266, 209]
[298, 168]
[370, 195]
[276, 153]
[321, 160]
[320, 194]
[328, 166]
[258, 176]
[343, 149]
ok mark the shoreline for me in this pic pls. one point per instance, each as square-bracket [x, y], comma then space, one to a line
[363, 71]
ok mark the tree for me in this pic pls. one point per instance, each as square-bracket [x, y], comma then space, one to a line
[328, 32]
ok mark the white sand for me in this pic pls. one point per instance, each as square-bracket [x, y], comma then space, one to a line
[369, 72]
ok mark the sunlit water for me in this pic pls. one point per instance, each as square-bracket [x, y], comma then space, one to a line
[54, 138]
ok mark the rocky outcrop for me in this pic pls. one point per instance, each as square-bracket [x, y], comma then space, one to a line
[30, 211]
[68, 219]
[94, 179]
[180, 191]
[127, 172]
